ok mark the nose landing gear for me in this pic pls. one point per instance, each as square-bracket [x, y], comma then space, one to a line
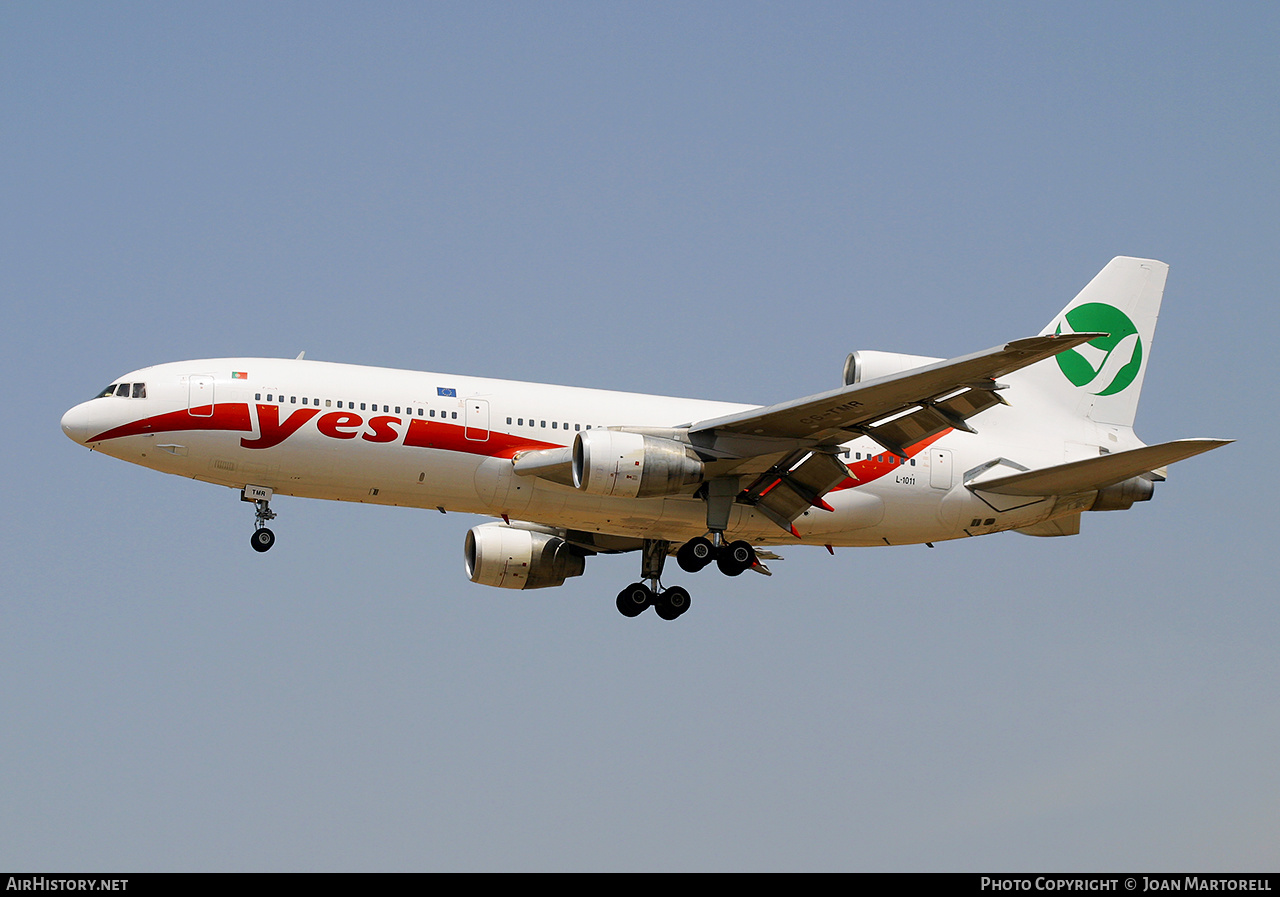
[262, 538]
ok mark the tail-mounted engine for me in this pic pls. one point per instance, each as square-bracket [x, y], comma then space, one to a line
[511, 558]
[1121, 496]
[630, 465]
[866, 364]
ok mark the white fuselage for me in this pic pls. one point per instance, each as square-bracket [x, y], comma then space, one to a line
[382, 436]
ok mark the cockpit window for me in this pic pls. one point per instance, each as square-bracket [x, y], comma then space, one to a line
[124, 390]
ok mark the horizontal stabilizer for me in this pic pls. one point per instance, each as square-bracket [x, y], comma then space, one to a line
[1096, 473]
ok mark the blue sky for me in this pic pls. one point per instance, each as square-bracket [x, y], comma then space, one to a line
[717, 200]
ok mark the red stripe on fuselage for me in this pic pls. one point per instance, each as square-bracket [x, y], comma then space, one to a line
[431, 434]
[227, 416]
[420, 432]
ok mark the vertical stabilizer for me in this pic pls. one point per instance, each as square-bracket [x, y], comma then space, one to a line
[1102, 379]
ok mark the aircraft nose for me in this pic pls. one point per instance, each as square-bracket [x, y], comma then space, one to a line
[77, 424]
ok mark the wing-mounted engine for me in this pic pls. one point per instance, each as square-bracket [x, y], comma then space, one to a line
[632, 465]
[865, 365]
[510, 557]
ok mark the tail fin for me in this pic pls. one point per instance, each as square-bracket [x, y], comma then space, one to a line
[1102, 379]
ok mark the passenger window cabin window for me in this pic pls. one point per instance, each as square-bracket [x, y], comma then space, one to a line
[293, 400]
[257, 397]
[508, 422]
[577, 427]
[544, 425]
[553, 425]
[304, 400]
[362, 406]
[397, 409]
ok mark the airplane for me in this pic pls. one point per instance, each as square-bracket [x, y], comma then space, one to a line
[1023, 437]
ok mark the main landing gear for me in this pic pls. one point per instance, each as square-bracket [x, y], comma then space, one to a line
[732, 559]
[638, 597]
[262, 538]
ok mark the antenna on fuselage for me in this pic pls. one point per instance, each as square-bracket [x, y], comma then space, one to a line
[300, 354]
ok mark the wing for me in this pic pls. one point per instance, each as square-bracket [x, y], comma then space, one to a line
[899, 410]
[796, 441]
[790, 450]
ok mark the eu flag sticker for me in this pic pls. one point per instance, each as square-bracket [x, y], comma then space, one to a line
[446, 391]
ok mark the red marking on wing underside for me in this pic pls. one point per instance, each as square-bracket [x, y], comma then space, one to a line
[869, 469]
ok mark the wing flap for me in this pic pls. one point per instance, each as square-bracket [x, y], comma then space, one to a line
[790, 488]
[899, 431]
[1096, 473]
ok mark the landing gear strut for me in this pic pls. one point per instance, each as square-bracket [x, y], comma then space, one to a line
[732, 558]
[262, 538]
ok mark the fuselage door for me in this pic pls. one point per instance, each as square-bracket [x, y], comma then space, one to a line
[200, 395]
[940, 468]
[476, 424]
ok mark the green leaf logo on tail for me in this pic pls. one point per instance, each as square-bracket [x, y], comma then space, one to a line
[1108, 364]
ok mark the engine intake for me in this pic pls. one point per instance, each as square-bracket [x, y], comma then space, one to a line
[630, 465]
[511, 558]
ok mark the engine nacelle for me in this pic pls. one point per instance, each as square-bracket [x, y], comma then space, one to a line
[1122, 495]
[512, 558]
[865, 365]
[629, 465]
